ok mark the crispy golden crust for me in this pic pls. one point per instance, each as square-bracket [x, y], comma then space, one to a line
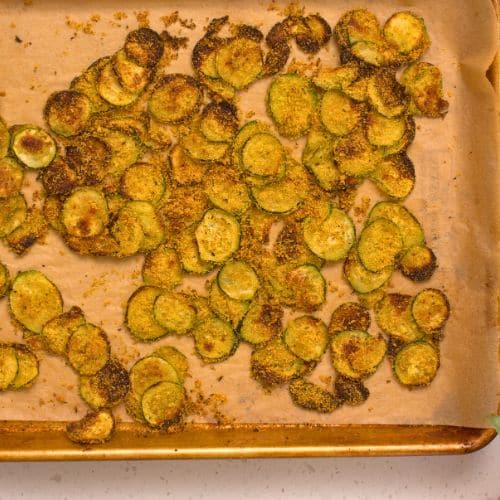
[349, 316]
[318, 34]
[276, 58]
[59, 179]
[144, 46]
[28, 233]
[351, 392]
[312, 397]
[67, 112]
[219, 121]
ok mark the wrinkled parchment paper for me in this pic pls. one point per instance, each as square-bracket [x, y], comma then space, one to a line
[455, 198]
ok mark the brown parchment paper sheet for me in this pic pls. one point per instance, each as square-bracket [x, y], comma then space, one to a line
[455, 198]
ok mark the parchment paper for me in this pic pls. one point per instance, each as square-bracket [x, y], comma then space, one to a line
[455, 198]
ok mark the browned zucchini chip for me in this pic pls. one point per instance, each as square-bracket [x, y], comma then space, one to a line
[219, 122]
[32, 146]
[67, 112]
[162, 404]
[377, 54]
[143, 182]
[279, 34]
[418, 263]
[382, 131]
[349, 316]
[218, 88]
[312, 397]
[149, 371]
[188, 253]
[225, 307]
[139, 316]
[27, 367]
[174, 312]
[349, 391]
[262, 322]
[185, 170]
[306, 337]
[94, 428]
[339, 114]
[59, 178]
[88, 349]
[430, 310]
[317, 35]
[127, 230]
[13, 213]
[339, 78]
[52, 209]
[162, 268]
[215, 340]
[200, 148]
[4, 280]
[103, 244]
[416, 364]
[131, 76]
[358, 25]
[8, 366]
[386, 95]
[11, 177]
[151, 224]
[395, 176]
[144, 46]
[276, 58]
[203, 56]
[175, 358]
[111, 90]
[33, 229]
[250, 32]
[57, 331]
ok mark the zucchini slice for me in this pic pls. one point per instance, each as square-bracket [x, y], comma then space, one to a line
[94, 428]
[262, 322]
[306, 337]
[4, 280]
[378, 53]
[204, 54]
[430, 310]
[418, 263]
[246, 132]
[219, 121]
[187, 248]
[127, 231]
[131, 76]
[28, 233]
[88, 349]
[338, 113]
[361, 279]
[379, 244]
[416, 364]
[67, 112]
[312, 397]
[330, 238]
[395, 176]
[174, 312]
[162, 268]
[59, 178]
[263, 155]
[393, 316]
[175, 358]
[239, 62]
[276, 58]
[349, 391]
[144, 46]
[85, 213]
[402, 145]
[217, 88]
[356, 26]
[215, 340]
[217, 236]
[386, 94]
[339, 78]
[150, 371]
[175, 98]
[238, 280]
[154, 234]
[200, 148]
[111, 90]
[32, 146]
[13, 212]
[307, 287]
[52, 209]
[383, 131]
[57, 331]
[162, 404]
[34, 300]
[317, 35]
[410, 229]
[143, 182]
[406, 32]
[4, 138]
[228, 309]
[349, 316]
[8, 366]
[27, 367]
[291, 102]
[185, 170]
[125, 149]
[139, 316]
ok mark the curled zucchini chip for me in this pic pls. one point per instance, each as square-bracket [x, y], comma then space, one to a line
[174, 312]
[306, 337]
[131, 76]
[349, 316]
[144, 46]
[143, 182]
[358, 25]
[350, 391]
[406, 32]
[175, 98]
[393, 316]
[214, 340]
[312, 397]
[4, 280]
[88, 349]
[34, 300]
[57, 331]
[27, 367]
[33, 228]
[338, 113]
[85, 213]
[94, 428]
[162, 404]
[263, 155]
[339, 78]
[111, 90]
[4, 138]
[32, 146]
[88, 157]
[228, 309]
[189, 255]
[127, 231]
[152, 227]
[386, 95]
[175, 358]
[200, 148]
[395, 176]
[416, 364]
[59, 178]
[162, 268]
[11, 177]
[382, 131]
[148, 372]
[217, 236]
[317, 35]
[67, 112]
[185, 170]
[262, 322]
[418, 263]
[239, 62]
[361, 279]
[238, 280]
[8, 366]
[430, 310]
[139, 316]
[219, 122]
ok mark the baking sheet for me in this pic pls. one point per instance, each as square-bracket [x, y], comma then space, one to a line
[455, 198]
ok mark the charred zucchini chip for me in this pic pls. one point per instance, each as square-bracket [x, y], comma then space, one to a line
[379, 245]
[175, 98]
[393, 316]
[350, 391]
[175, 358]
[215, 340]
[395, 176]
[11, 177]
[200, 148]
[152, 228]
[406, 32]
[339, 78]
[148, 372]
[162, 404]
[239, 62]
[291, 102]
[358, 25]
[27, 368]
[238, 280]
[361, 279]
[217, 236]
[85, 213]
[139, 316]
[307, 287]
[94, 428]
[88, 349]
[4, 280]
[312, 397]
[174, 312]
[28, 233]
[57, 331]
[128, 233]
[262, 322]
[111, 90]
[386, 95]
[276, 58]
[338, 113]
[34, 300]
[416, 364]
[418, 263]
[203, 56]
[8, 366]
[59, 178]
[318, 34]
[144, 46]
[430, 310]
[162, 268]
[32, 146]
[185, 170]
[4, 138]
[349, 316]
[382, 131]
[306, 337]
[13, 212]
[189, 255]
[330, 238]
[67, 112]
[228, 309]
[250, 32]
[263, 155]
[219, 122]
[131, 76]
[143, 182]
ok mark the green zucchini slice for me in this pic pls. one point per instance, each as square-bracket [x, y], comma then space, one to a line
[175, 98]
[339, 114]
[94, 428]
[361, 279]
[339, 78]
[144, 46]
[217, 236]
[219, 121]
[349, 391]
[379, 244]
[312, 397]
[162, 404]
[88, 349]
[57, 331]
[32, 146]
[33, 228]
[307, 287]
[406, 32]
[4, 280]
[291, 102]
[143, 182]
[418, 263]
[27, 367]
[131, 76]
[11, 177]
[204, 54]
[356, 26]
[187, 248]
[200, 148]
[162, 268]
[263, 155]
[378, 53]
[34, 300]
[430, 310]
[174, 312]
[139, 316]
[175, 358]
[148, 372]
[246, 132]
[218, 88]
[67, 112]
[8, 366]
[330, 238]
[185, 170]
[349, 316]
[154, 234]
[402, 145]
[111, 90]
[383, 131]
[125, 149]
[416, 364]
[239, 62]
[127, 231]
[215, 340]
[395, 176]
[306, 337]
[228, 309]
[85, 213]
[4, 138]
[393, 316]
[386, 95]
[238, 280]
[262, 322]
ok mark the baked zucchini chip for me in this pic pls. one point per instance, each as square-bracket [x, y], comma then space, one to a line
[4, 280]
[339, 114]
[204, 54]
[175, 358]
[162, 404]
[185, 170]
[386, 94]
[349, 391]
[150, 371]
[131, 76]
[27, 368]
[358, 25]
[174, 312]
[382, 131]
[244, 133]
[418, 263]
[416, 364]
[34, 300]
[144, 46]
[291, 102]
[276, 58]
[238, 280]
[143, 182]
[349, 316]
[219, 121]
[200, 148]
[430, 310]
[338, 78]
[4, 138]
[317, 35]
[52, 209]
[263, 155]
[67, 112]
[57, 331]
[162, 268]
[33, 228]
[215, 340]
[13, 212]
[312, 397]
[59, 178]
[94, 428]
[228, 309]
[306, 337]
[153, 230]
[139, 316]
[88, 349]
[127, 230]
[126, 149]
[111, 90]
[262, 322]
[361, 279]
[395, 176]
[8, 366]
[307, 287]
[189, 255]
[32, 146]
